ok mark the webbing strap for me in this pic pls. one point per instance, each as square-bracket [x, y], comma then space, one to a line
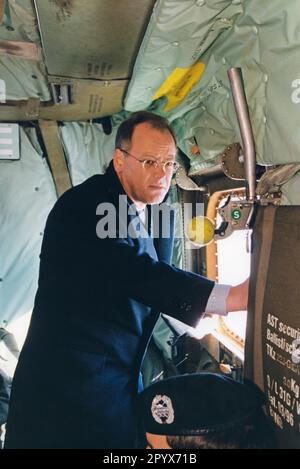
[56, 156]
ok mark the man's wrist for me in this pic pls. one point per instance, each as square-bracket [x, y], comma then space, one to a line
[237, 299]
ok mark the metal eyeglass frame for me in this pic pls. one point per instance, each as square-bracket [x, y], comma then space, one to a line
[154, 163]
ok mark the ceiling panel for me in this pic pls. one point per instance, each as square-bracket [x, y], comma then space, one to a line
[97, 39]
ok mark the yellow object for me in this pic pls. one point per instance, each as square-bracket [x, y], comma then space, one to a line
[178, 85]
[200, 230]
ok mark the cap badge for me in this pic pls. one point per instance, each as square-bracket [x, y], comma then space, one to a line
[162, 409]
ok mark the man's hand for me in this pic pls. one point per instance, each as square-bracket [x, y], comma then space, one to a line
[237, 299]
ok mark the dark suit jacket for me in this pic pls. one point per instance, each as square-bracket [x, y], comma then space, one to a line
[95, 309]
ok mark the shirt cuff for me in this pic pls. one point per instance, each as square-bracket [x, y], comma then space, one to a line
[216, 303]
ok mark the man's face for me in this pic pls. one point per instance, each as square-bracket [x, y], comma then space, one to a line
[144, 185]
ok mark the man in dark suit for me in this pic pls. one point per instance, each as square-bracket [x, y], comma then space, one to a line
[99, 296]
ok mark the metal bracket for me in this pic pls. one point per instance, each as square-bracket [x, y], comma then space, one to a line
[274, 178]
[236, 214]
[62, 93]
[232, 162]
[185, 182]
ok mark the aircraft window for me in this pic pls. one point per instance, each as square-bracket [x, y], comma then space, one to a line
[233, 268]
[229, 262]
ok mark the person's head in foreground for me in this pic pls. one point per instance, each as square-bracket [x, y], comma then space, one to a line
[205, 411]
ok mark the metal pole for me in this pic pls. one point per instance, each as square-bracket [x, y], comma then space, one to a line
[240, 103]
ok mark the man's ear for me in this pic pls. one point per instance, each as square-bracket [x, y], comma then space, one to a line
[118, 160]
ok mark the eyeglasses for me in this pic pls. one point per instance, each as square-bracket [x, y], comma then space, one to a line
[169, 166]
